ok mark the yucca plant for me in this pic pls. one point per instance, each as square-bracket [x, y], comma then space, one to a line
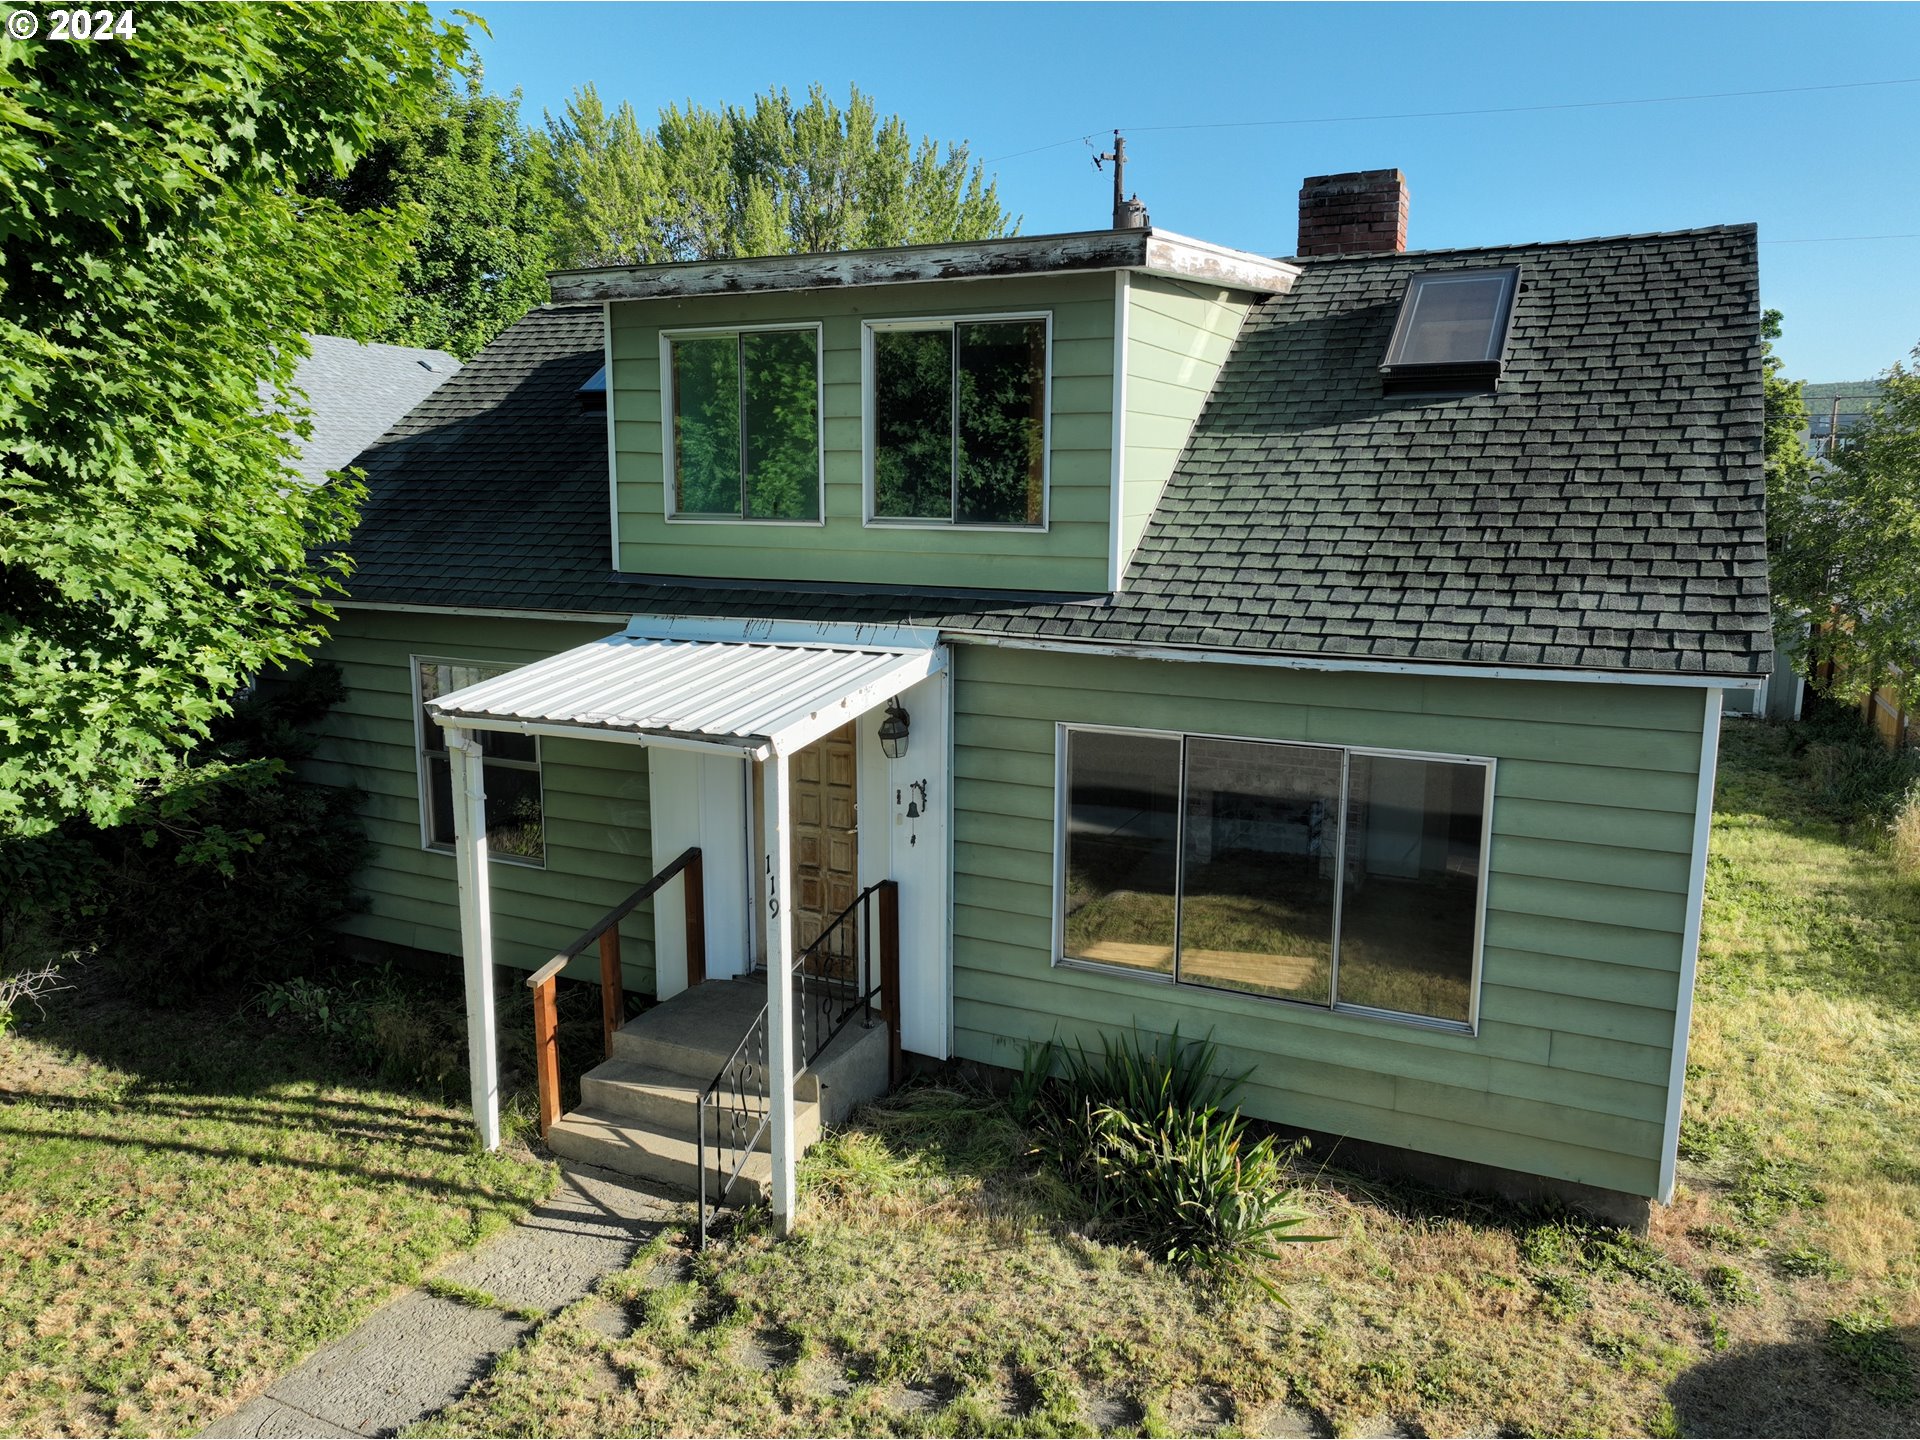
[1142, 1129]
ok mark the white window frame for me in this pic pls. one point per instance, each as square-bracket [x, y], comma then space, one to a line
[1064, 730]
[423, 773]
[712, 332]
[868, 328]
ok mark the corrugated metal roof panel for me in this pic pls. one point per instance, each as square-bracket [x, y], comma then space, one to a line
[726, 692]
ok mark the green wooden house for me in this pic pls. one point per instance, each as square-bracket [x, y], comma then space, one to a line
[1065, 634]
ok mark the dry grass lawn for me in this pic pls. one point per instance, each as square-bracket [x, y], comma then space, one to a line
[190, 1201]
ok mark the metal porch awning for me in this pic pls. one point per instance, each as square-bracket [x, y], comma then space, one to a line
[742, 696]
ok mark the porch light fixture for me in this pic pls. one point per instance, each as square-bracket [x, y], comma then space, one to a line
[893, 732]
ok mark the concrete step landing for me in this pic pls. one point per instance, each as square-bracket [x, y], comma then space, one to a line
[638, 1108]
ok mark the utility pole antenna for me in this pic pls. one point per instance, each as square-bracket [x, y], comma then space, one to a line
[1127, 214]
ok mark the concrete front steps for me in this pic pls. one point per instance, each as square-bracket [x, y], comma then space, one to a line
[638, 1107]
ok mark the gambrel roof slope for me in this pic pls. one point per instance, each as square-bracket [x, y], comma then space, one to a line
[1602, 510]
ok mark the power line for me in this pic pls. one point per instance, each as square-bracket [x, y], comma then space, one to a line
[1454, 114]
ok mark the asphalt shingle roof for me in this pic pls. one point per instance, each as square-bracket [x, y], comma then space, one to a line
[354, 392]
[1602, 510]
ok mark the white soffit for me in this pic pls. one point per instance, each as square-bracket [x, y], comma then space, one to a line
[753, 697]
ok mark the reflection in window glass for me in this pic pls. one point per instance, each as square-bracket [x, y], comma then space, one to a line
[960, 423]
[706, 426]
[780, 417]
[1122, 848]
[1412, 885]
[1001, 378]
[746, 425]
[913, 424]
[1453, 319]
[1262, 855]
[509, 771]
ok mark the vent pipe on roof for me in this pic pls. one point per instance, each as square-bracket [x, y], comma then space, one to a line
[1128, 214]
[1363, 212]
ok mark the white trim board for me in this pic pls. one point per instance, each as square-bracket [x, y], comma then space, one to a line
[1334, 664]
[1690, 945]
[1190, 654]
[613, 432]
[1117, 481]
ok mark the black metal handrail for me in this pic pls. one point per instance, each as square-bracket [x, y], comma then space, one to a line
[745, 1081]
[825, 975]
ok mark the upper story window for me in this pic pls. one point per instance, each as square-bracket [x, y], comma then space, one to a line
[743, 420]
[957, 421]
[1452, 330]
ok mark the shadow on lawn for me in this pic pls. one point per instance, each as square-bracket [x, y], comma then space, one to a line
[1832, 1386]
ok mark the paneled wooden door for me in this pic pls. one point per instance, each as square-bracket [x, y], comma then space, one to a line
[824, 814]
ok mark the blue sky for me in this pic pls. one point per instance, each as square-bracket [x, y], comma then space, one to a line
[1835, 162]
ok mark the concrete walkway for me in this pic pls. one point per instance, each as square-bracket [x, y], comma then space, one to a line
[414, 1357]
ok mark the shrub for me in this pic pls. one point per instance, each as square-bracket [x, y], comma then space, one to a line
[1854, 772]
[1141, 1131]
[238, 869]
[407, 1032]
[1903, 833]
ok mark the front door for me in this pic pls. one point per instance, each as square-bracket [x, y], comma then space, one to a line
[823, 813]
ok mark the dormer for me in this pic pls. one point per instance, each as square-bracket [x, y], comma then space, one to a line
[1000, 414]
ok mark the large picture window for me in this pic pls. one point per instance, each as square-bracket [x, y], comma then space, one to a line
[510, 771]
[1329, 876]
[743, 423]
[959, 422]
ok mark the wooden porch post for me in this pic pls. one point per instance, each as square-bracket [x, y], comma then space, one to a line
[780, 1037]
[476, 928]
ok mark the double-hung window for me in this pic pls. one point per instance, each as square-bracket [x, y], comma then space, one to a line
[957, 421]
[509, 768]
[743, 424]
[1343, 878]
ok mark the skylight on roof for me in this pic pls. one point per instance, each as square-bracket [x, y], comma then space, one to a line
[1452, 330]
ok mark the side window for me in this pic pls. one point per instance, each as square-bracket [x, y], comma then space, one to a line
[510, 770]
[742, 425]
[958, 422]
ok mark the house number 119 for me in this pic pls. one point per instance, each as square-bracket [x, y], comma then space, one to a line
[773, 891]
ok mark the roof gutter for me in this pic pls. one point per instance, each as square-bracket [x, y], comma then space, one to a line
[1337, 665]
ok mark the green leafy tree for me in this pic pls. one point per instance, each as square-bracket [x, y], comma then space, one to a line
[159, 265]
[480, 185]
[1851, 550]
[776, 178]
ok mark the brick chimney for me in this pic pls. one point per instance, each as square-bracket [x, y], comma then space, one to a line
[1363, 212]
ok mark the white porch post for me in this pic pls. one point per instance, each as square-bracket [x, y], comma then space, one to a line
[780, 1037]
[476, 928]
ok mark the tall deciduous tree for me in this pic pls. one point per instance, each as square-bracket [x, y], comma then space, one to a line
[159, 265]
[480, 258]
[776, 178]
[1850, 548]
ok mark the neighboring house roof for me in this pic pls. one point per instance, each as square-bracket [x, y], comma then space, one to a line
[355, 392]
[1603, 510]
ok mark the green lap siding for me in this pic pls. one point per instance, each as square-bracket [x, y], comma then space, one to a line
[1587, 897]
[1071, 554]
[594, 799]
[1179, 333]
